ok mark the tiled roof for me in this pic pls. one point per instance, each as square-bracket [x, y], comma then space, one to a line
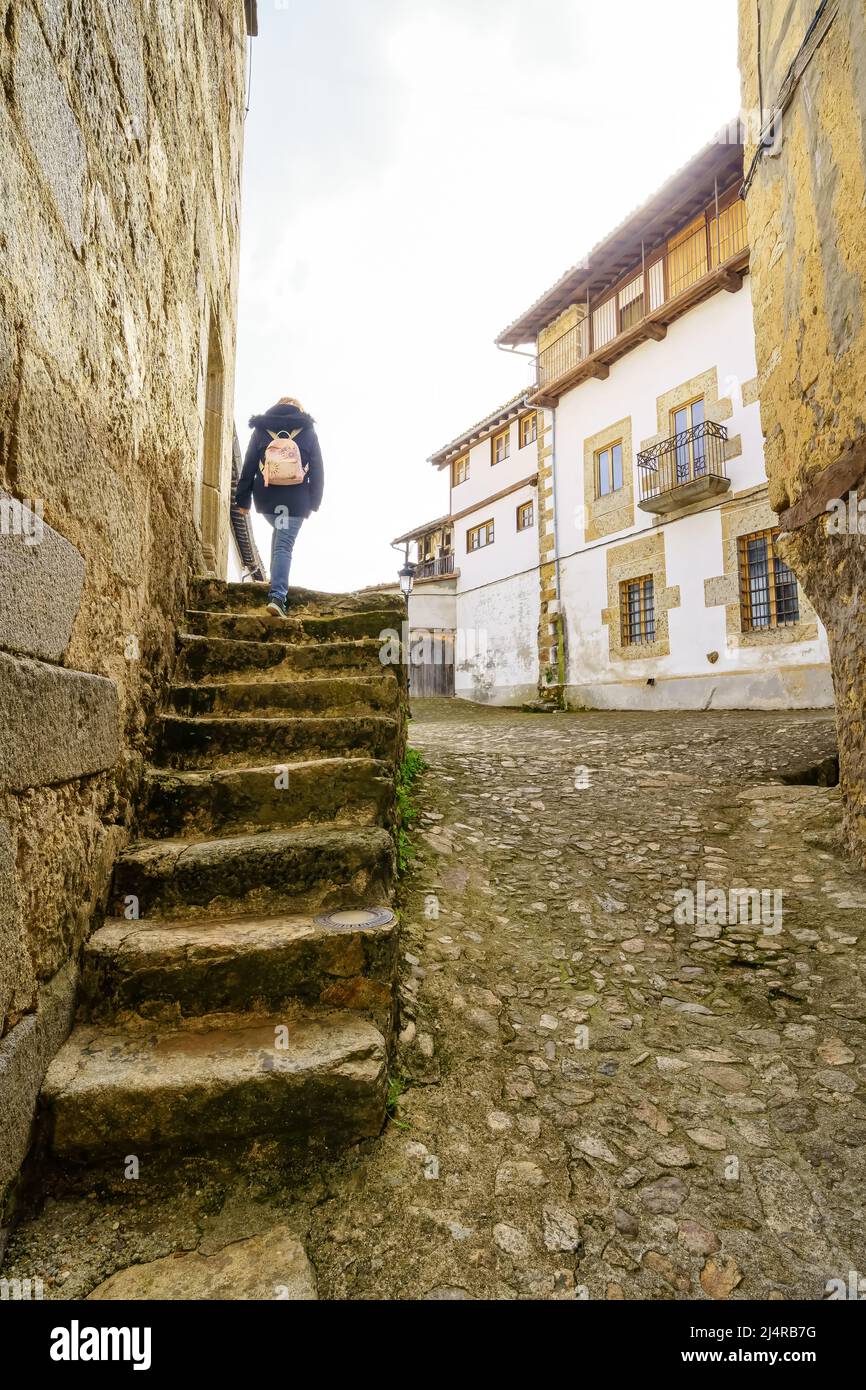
[421, 530]
[657, 217]
[480, 428]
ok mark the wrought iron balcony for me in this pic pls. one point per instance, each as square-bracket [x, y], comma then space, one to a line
[685, 468]
[432, 569]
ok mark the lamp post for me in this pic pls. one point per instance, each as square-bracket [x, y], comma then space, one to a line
[406, 576]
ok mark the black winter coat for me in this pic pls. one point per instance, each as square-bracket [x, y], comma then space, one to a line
[300, 499]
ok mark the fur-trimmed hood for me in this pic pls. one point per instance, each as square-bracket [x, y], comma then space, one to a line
[281, 417]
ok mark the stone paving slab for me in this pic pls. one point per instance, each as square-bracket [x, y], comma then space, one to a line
[271, 1266]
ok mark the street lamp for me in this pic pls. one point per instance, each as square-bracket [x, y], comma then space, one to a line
[406, 576]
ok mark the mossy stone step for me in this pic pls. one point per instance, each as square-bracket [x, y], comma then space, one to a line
[298, 870]
[262, 627]
[220, 658]
[213, 741]
[222, 1007]
[225, 597]
[242, 964]
[356, 791]
[334, 695]
[114, 1091]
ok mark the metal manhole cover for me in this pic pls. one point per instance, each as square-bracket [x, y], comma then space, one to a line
[355, 918]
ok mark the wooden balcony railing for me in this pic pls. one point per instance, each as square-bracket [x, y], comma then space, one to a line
[688, 457]
[429, 569]
[701, 250]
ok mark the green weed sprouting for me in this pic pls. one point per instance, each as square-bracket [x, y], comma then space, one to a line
[408, 773]
[397, 1087]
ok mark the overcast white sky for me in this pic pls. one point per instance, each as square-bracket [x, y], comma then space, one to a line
[416, 173]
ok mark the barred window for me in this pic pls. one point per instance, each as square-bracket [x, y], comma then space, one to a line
[768, 588]
[637, 611]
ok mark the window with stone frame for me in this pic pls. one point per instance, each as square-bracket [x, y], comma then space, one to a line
[689, 441]
[608, 469]
[637, 611]
[769, 597]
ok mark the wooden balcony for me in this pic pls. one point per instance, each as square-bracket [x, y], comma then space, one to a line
[436, 568]
[686, 468]
[709, 255]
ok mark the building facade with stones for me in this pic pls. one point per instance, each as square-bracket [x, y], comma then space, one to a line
[649, 575]
[803, 77]
[476, 581]
[121, 157]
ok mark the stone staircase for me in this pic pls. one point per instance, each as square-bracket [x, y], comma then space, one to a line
[245, 987]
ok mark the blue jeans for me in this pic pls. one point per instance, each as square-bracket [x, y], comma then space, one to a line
[285, 529]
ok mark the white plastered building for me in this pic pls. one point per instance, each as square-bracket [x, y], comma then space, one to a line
[647, 573]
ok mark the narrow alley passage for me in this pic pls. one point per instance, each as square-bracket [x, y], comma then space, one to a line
[601, 1102]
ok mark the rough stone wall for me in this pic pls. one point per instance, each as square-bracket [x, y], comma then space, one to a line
[120, 132]
[551, 654]
[807, 232]
[560, 325]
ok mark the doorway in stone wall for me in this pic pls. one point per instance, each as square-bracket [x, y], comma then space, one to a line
[210, 503]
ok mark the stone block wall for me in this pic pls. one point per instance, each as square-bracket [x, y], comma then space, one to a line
[121, 129]
[807, 231]
[551, 652]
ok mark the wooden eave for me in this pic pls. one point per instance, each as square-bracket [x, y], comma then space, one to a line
[420, 531]
[684, 197]
[728, 276]
[485, 429]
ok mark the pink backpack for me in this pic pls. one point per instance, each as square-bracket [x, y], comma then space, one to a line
[283, 465]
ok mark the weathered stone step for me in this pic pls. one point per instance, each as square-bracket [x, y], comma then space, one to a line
[242, 964]
[337, 695]
[299, 870]
[221, 596]
[249, 1269]
[357, 791]
[262, 627]
[111, 1092]
[222, 658]
[213, 741]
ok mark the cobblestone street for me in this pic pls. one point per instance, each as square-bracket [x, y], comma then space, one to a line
[591, 1099]
[601, 1102]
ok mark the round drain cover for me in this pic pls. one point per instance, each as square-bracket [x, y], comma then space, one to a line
[355, 918]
